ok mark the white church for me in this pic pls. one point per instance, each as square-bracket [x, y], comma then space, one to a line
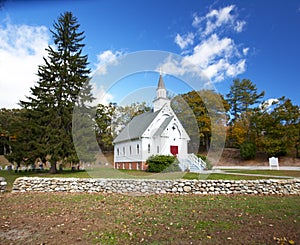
[157, 132]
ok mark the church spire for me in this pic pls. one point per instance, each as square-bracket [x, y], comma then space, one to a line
[161, 84]
[161, 94]
[161, 91]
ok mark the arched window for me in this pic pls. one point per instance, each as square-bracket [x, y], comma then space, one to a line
[149, 148]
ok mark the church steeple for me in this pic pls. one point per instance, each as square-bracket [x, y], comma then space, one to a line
[161, 89]
[161, 95]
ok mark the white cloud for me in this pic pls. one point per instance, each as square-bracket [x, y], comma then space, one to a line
[245, 51]
[206, 52]
[22, 48]
[185, 40]
[215, 70]
[268, 104]
[106, 58]
[102, 97]
[236, 68]
[212, 58]
[239, 26]
[211, 52]
[172, 66]
[271, 101]
[196, 20]
[216, 18]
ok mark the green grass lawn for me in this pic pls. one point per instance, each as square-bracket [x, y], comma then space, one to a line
[291, 173]
[43, 218]
[220, 176]
[57, 218]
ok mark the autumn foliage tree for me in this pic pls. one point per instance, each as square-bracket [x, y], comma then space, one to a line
[201, 113]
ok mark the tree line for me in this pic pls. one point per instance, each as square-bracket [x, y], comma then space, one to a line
[42, 128]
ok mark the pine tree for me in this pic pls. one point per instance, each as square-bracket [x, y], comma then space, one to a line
[62, 84]
[242, 95]
[281, 128]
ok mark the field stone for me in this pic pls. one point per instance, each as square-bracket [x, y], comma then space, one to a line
[275, 187]
[187, 188]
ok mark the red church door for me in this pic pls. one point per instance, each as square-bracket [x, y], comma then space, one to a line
[174, 149]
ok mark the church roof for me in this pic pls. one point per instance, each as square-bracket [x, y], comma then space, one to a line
[161, 84]
[136, 127]
[163, 126]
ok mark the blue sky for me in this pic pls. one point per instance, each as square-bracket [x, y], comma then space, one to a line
[224, 40]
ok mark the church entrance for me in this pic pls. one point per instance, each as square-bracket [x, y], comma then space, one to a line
[174, 149]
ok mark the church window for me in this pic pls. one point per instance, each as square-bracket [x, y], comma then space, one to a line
[130, 149]
[138, 149]
[123, 150]
[149, 149]
[118, 152]
[157, 149]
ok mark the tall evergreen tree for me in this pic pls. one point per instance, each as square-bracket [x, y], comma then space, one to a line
[62, 84]
[281, 128]
[242, 95]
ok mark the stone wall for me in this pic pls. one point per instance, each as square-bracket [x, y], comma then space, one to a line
[266, 187]
[2, 184]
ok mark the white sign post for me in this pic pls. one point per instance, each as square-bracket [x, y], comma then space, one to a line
[273, 162]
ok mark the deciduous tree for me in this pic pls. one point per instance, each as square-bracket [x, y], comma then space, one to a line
[124, 114]
[198, 111]
[104, 128]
